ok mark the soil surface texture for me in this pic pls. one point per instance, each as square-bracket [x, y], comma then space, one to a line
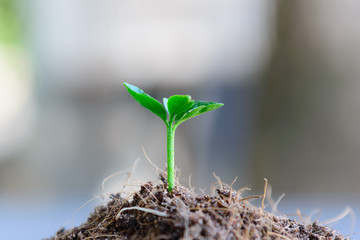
[154, 213]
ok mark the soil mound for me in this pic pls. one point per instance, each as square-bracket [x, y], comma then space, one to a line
[154, 213]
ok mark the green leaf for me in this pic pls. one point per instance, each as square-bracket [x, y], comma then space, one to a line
[147, 101]
[179, 103]
[198, 108]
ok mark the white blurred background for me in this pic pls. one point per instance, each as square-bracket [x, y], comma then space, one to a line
[287, 72]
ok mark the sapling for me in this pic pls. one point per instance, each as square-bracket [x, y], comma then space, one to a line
[176, 110]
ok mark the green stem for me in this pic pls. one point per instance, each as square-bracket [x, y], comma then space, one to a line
[170, 155]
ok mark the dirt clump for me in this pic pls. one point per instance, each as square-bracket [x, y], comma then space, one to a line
[154, 213]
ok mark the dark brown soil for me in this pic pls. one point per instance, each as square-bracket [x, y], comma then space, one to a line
[153, 213]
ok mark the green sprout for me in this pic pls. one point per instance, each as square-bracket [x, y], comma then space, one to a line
[176, 110]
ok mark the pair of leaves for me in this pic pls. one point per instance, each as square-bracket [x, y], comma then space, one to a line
[179, 107]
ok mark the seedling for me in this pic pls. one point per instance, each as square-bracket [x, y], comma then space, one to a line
[176, 110]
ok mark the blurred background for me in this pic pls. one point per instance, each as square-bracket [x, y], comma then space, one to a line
[287, 71]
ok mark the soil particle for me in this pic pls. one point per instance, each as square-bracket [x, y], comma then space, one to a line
[153, 213]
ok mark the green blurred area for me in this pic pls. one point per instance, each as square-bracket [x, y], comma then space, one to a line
[10, 29]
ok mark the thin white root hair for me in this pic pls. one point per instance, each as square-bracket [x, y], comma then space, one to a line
[86, 203]
[109, 177]
[308, 220]
[177, 173]
[347, 211]
[269, 198]
[264, 195]
[274, 208]
[117, 173]
[218, 179]
[241, 190]
[299, 215]
[131, 173]
[190, 175]
[148, 210]
[151, 162]
[231, 186]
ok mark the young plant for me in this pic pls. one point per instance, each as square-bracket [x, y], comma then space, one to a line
[176, 110]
